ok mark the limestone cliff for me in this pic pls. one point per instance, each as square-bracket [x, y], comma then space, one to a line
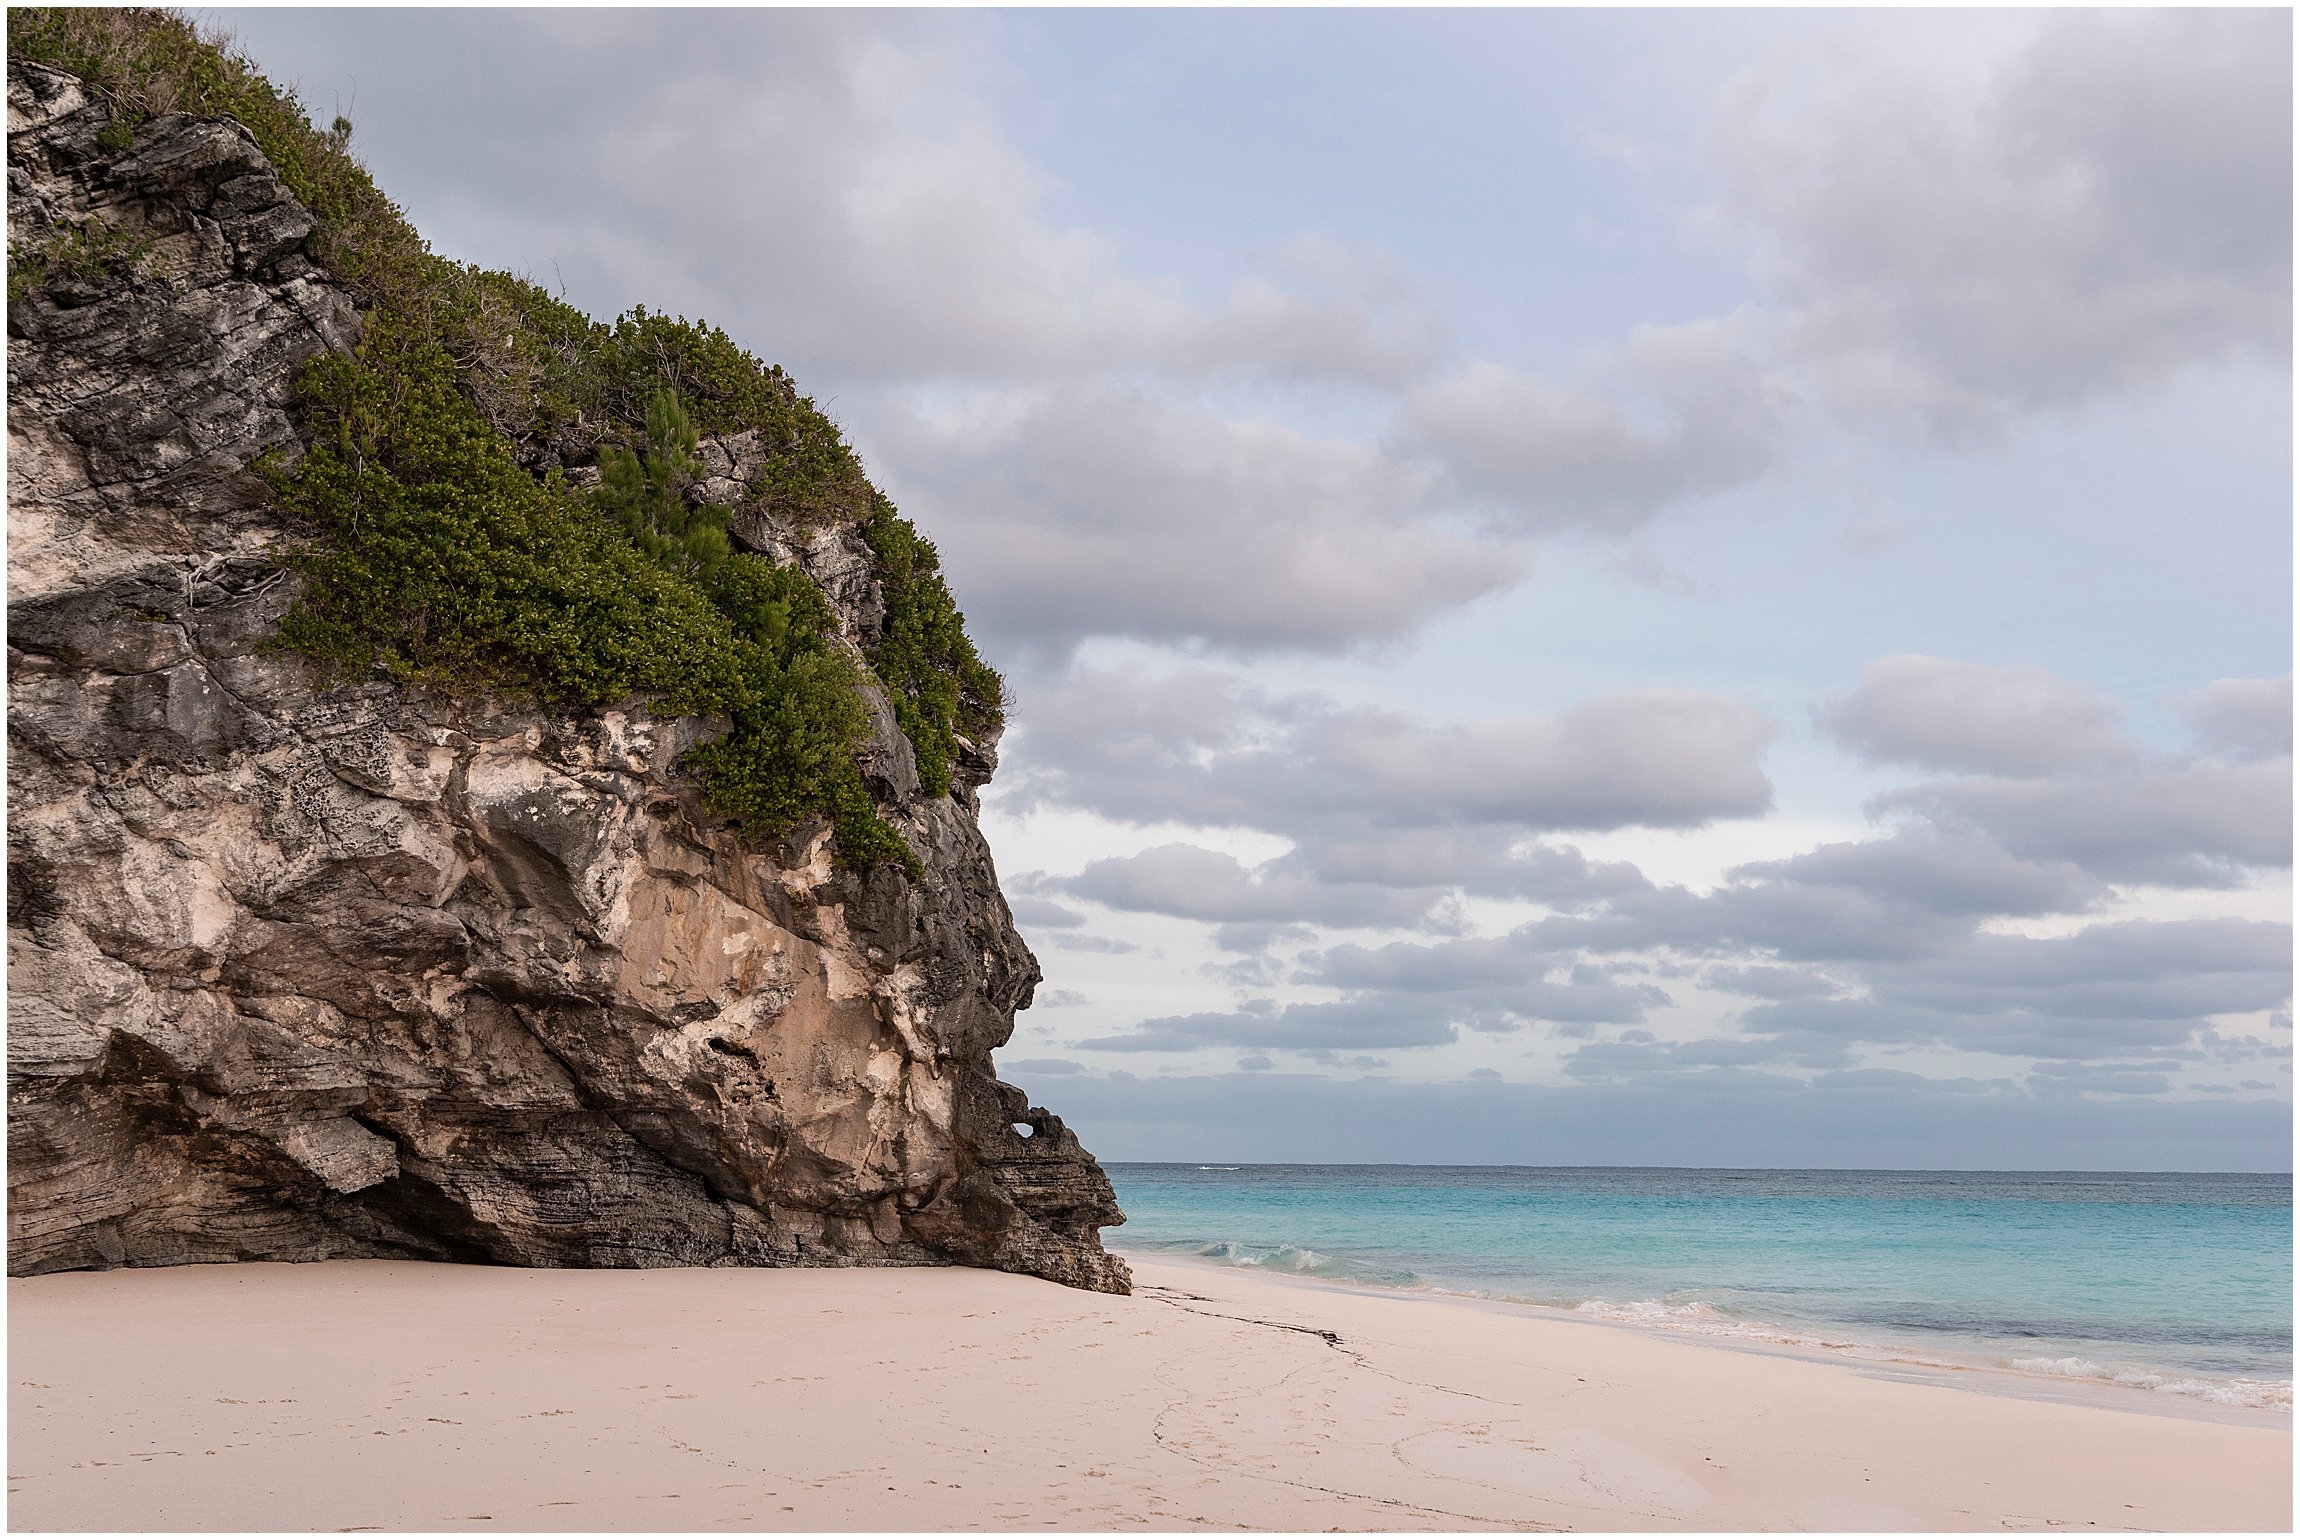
[299, 972]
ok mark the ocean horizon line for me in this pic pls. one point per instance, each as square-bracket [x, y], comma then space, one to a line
[1219, 1163]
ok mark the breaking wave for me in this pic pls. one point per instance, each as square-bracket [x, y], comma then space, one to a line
[1305, 1263]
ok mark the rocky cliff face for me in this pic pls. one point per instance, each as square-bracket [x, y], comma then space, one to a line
[298, 974]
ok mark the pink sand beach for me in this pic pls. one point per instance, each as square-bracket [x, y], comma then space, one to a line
[409, 1396]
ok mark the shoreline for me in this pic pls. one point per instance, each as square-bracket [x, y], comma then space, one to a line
[1879, 1360]
[425, 1396]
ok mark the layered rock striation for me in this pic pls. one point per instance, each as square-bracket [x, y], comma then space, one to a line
[298, 973]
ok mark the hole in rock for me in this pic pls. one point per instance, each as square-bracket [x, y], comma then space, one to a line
[1026, 1130]
[732, 1050]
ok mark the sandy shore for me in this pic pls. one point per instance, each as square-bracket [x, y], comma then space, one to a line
[386, 1395]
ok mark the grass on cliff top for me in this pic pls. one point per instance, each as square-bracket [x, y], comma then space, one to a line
[450, 548]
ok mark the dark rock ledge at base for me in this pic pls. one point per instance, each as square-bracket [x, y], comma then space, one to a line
[295, 975]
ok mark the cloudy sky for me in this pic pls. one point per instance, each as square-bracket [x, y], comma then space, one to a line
[1579, 586]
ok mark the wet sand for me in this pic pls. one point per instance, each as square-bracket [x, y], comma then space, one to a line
[395, 1395]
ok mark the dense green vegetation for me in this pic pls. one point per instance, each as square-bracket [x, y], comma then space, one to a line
[447, 545]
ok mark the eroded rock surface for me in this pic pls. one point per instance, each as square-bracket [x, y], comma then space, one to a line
[297, 974]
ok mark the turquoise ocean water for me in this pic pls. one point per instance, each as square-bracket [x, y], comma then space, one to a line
[2170, 1282]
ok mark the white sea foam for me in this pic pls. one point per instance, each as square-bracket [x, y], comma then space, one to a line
[2270, 1394]
[1700, 1318]
[1303, 1261]
[1695, 1317]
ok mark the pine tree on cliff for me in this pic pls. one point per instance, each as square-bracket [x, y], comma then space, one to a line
[646, 492]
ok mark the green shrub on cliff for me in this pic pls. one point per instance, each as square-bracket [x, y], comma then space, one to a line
[441, 560]
[447, 546]
[942, 689]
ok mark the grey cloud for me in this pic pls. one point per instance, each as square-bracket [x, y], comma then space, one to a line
[1259, 970]
[2010, 1030]
[2127, 952]
[2106, 1079]
[1194, 883]
[1488, 984]
[1645, 1058]
[1904, 1080]
[2135, 983]
[1940, 714]
[1043, 1067]
[1074, 941]
[1326, 1026]
[1058, 999]
[1476, 860]
[1258, 936]
[1550, 459]
[2108, 990]
[1908, 895]
[1326, 311]
[1389, 880]
[1203, 748]
[1391, 818]
[1044, 913]
[2242, 718]
[1929, 870]
[1770, 983]
[2190, 824]
[1105, 511]
[2108, 209]
[1920, 891]
[2229, 1048]
[1910, 977]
